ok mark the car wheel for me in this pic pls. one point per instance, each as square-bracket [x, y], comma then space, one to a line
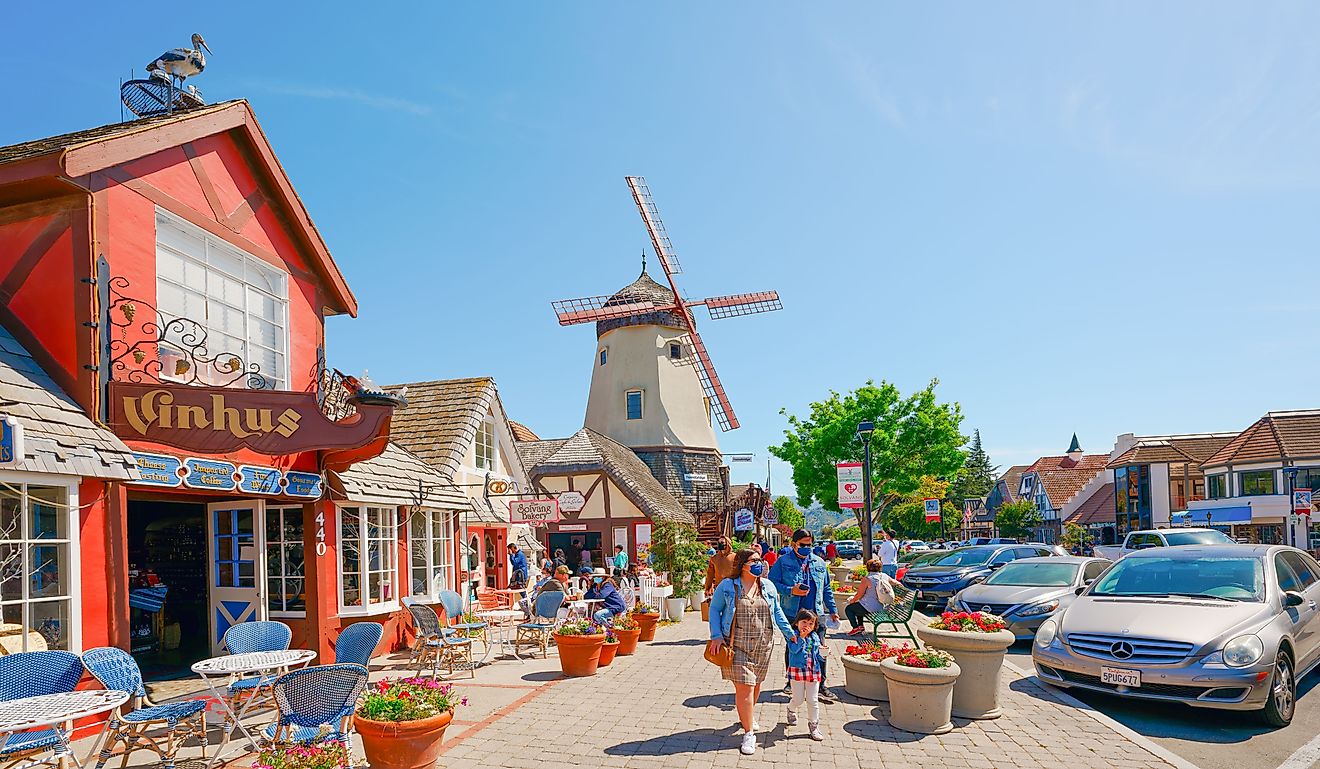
[1282, 702]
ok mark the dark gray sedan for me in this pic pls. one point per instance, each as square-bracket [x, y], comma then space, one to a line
[1031, 590]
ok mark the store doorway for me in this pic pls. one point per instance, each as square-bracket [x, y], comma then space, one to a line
[574, 544]
[167, 586]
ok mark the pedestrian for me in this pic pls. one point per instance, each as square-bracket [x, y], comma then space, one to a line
[721, 565]
[803, 582]
[889, 553]
[874, 594]
[517, 562]
[602, 589]
[744, 612]
[771, 555]
[831, 551]
[806, 663]
[560, 558]
[584, 562]
[620, 562]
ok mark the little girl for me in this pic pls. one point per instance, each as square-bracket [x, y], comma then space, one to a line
[806, 654]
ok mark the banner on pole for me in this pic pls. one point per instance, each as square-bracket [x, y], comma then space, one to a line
[851, 493]
[932, 509]
[744, 520]
[1302, 501]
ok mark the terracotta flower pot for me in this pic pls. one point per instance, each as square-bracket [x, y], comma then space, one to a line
[920, 699]
[579, 655]
[981, 657]
[402, 744]
[607, 652]
[647, 623]
[864, 678]
[627, 641]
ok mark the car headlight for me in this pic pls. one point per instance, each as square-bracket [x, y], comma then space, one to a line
[1243, 650]
[1045, 635]
[1035, 610]
[956, 605]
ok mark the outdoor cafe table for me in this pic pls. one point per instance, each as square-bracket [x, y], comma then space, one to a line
[217, 669]
[504, 622]
[50, 710]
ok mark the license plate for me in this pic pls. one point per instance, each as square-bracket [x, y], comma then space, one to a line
[1120, 677]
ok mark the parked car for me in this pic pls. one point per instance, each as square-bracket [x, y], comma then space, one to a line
[917, 559]
[915, 546]
[849, 548]
[1056, 549]
[1029, 591]
[1219, 626]
[939, 580]
[976, 541]
[1146, 539]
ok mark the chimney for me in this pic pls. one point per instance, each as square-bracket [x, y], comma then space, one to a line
[1075, 450]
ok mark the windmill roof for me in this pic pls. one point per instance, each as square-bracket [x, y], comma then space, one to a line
[1273, 437]
[644, 289]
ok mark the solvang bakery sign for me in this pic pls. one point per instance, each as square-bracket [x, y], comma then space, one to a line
[216, 420]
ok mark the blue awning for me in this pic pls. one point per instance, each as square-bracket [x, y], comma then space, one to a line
[1217, 515]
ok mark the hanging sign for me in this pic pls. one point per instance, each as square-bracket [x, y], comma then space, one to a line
[11, 441]
[159, 470]
[572, 527]
[571, 501]
[259, 480]
[1302, 501]
[932, 509]
[210, 474]
[850, 484]
[744, 520]
[305, 485]
[165, 471]
[534, 511]
[769, 515]
[698, 477]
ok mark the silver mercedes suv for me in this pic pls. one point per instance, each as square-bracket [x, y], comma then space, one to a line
[1220, 626]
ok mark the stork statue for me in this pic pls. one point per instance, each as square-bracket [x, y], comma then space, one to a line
[180, 63]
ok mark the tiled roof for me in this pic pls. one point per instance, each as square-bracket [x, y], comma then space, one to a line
[1097, 509]
[59, 436]
[588, 451]
[644, 289]
[1063, 478]
[522, 432]
[441, 418]
[1173, 448]
[393, 478]
[38, 147]
[1278, 434]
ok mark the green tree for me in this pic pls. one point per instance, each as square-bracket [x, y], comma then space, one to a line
[914, 437]
[788, 513]
[1073, 535]
[827, 532]
[977, 476]
[1017, 519]
[847, 532]
[679, 551]
[908, 516]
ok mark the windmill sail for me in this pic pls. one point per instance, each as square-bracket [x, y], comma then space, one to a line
[720, 408]
[651, 217]
[593, 308]
[742, 304]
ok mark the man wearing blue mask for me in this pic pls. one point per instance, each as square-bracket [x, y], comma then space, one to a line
[803, 582]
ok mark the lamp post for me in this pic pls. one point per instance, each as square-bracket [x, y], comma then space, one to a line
[864, 430]
[1291, 474]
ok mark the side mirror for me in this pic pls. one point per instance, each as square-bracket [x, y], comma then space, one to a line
[1082, 589]
[994, 566]
[1293, 598]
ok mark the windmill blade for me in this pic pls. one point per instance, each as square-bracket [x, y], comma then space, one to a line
[593, 308]
[720, 407]
[654, 227]
[742, 304]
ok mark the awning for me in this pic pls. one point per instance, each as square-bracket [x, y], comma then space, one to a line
[1211, 516]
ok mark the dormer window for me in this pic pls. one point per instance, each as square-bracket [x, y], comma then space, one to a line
[675, 351]
[485, 446]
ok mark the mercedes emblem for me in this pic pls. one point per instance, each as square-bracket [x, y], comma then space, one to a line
[1121, 650]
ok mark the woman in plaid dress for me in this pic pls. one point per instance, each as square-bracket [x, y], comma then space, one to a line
[747, 605]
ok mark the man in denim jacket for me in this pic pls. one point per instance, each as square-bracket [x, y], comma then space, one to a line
[803, 582]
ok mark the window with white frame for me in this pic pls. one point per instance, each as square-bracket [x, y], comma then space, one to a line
[366, 559]
[37, 569]
[431, 552]
[486, 446]
[241, 302]
[286, 584]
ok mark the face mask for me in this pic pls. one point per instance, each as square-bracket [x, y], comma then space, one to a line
[597, 580]
[710, 551]
[757, 569]
[804, 550]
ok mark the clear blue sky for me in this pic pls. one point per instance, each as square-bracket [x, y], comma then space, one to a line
[1097, 218]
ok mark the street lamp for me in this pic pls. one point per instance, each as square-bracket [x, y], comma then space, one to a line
[864, 430]
[1291, 474]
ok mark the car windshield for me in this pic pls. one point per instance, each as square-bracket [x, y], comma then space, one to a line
[1231, 578]
[1035, 575]
[972, 556]
[1197, 538]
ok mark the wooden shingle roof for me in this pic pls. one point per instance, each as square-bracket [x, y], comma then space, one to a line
[588, 451]
[1194, 449]
[441, 418]
[1277, 435]
[1097, 509]
[394, 478]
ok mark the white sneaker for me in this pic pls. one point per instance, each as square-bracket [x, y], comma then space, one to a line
[792, 718]
[815, 732]
[748, 744]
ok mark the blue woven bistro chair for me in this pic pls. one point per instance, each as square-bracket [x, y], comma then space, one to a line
[453, 605]
[117, 670]
[436, 643]
[537, 632]
[32, 674]
[357, 643]
[247, 637]
[316, 703]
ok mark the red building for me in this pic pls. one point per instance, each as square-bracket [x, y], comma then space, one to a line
[183, 443]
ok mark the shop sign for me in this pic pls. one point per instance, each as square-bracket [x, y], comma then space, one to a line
[572, 501]
[165, 471]
[850, 484]
[572, 527]
[11, 441]
[932, 509]
[534, 511]
[259, 480]
[1302, 501]
[210, 474]
[159, 470]
[305, 485]
[215, 420]
[769, 515]
[744, 520]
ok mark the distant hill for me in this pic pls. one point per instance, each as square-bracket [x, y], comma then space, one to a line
[818, 518]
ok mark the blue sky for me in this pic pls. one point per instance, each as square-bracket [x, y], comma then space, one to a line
[1096, 218]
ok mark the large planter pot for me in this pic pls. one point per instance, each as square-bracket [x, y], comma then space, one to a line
[981, 657]
[579, 655]
[696, 599]
[865, 679]
[402, 744]
[920, 699]
[674, 607]
[647, 623]
[841, 574]
[607, 652]
[627, 641]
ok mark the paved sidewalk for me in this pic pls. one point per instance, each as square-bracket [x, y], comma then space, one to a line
[667, 707]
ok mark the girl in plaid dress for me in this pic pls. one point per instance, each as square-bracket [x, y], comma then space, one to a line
[806, 655]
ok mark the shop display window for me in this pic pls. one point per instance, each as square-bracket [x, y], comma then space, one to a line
[366, 559]
[37, 568]
[286, 585]
[431, 552]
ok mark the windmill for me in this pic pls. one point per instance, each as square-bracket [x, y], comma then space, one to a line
[667, 308]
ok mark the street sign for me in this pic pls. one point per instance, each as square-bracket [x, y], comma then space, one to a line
[744, 520]
[850, 484]
[1302, 501]
[770, 516]
[571, 501]
[932, 509]
[534, 511]
[699, 477]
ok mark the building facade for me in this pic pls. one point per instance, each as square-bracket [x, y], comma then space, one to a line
[1059, 484]
[1157, 477]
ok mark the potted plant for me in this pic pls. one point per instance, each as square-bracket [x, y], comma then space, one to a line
[840, 572]
[920, 683]
[678, 552]
[627, 630]
[401, 721]
[610, 647]
[862, 675]
[647, 617]
[330, 754]
[579, 645]
[978, 642]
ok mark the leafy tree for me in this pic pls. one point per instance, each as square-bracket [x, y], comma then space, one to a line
[679, 551]
[827, 532]
[908, 516]
[1073, 535]
[1017, 519]
[788, 513]
[977, 476]
[914, 437]
[847, 532]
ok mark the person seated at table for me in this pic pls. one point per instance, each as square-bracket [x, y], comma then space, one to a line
[553, 583]
[602, 589]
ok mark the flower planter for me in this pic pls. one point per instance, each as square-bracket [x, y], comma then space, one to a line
[841, 574]
[920, 699]
[647, 623]
[675, 607]
[696, 599]
[864, 678]
[607, 652]
[981, 657]
[402, 744]
[579, 655]
[627, 641]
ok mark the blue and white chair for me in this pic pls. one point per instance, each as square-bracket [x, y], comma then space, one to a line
[247, 637]
[118, 671]
[316, 703]
[537, 632]
[33, 674]
[357, 643]
[437, 643]
[453, 606]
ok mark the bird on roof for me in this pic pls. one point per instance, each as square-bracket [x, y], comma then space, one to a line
[180, 63]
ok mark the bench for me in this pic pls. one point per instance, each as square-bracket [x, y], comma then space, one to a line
[896, 616]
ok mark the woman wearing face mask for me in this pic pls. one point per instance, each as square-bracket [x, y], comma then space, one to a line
[750, 599]
[602, 588]
[720, 567]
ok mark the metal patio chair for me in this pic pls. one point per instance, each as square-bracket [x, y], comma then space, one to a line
[258, 636]
[453, 606]
[357, 643]
[537, 632]
[436, 643]
[897, 616]
[316, 703]
[117, 670]
[32, 674]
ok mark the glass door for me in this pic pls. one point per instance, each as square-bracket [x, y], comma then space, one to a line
[237, 555]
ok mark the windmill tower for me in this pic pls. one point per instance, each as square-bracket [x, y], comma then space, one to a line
[653, 386]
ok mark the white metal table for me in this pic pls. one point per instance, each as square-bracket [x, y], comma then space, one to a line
[51, 710]
[219, 669]
[506, 622]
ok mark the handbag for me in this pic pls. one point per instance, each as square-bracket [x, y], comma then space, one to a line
[724, 657]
